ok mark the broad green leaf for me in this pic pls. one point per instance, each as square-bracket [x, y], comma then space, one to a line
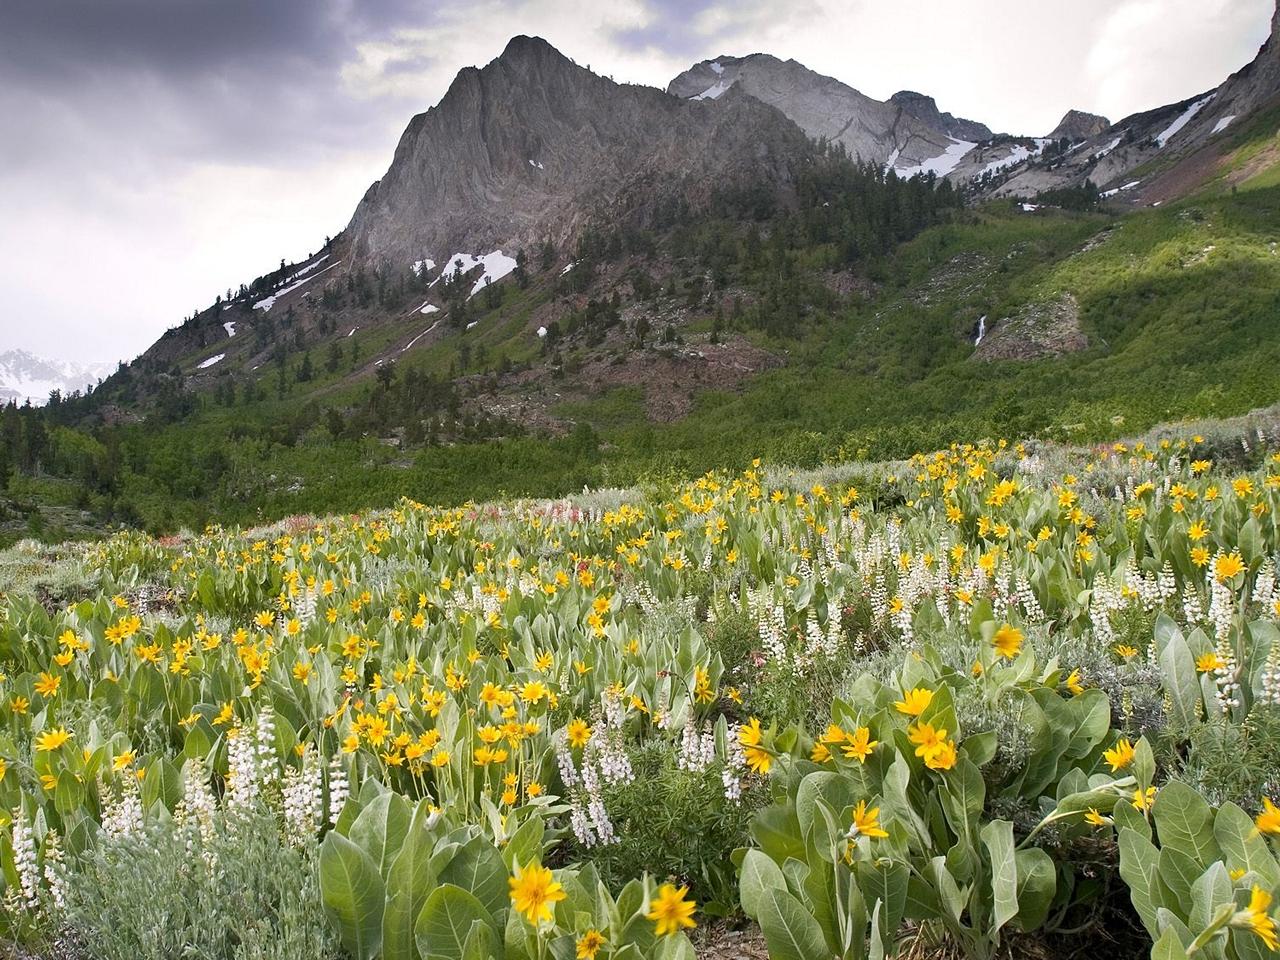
[478, 869]
[352, 892]
[380, 829]
[790, 931]
[444, 925]
[1184, 822]
[997, 837]
[758, 874]
[1242, 846]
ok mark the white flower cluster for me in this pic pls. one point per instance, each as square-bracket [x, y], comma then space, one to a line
[697, 748]
[1227, 676]
[24, 860]
[54, 874]
[196, 809]
[242, 767]
[1032, 612]
[303, 802]
[122, 815]
[265, 744]
[735, 765]
[1264, 585]
[339, 788]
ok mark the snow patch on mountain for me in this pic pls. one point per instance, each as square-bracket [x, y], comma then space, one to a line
[942, 164]
[496, 266]
[266, 303]
[1222, 124]
[1186, 116]
[206, 364]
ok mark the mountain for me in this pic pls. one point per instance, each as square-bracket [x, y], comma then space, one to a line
[925, 109]
[907, 133]
[1164, 153]
[533, 148]
[25, 377]
[555, 268]
[1077, 125]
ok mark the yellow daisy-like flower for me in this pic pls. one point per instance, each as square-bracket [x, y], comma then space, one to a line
[588, 945]
[1268, 821]
[670, 911]
[866, 823]
[750, 736]
[915, 702]
[1007, 641]
[1257, 920]
[535, 892]
[52, 739]
[1121, 755]
[859, 746]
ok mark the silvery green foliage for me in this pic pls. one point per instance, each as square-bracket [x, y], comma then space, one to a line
[169, 890]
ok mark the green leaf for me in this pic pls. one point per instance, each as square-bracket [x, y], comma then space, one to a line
[352, 892]
[1180, 682]
[997, 837]
[380, 829]
[409, 882]
[1037, 884]
[1139, 863]
[444, 925]
[478, 869]
[1242, 846]
[1184, 822]
[758, 875]
[1168, 947]
[789, 929]
[162, 782]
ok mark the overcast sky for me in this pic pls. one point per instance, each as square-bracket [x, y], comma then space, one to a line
[155, 152]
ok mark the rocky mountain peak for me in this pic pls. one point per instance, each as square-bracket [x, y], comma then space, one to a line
[532, 146]
[1078, 125]
[925, 108]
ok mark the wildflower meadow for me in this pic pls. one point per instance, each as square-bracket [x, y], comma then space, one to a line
[986, 697]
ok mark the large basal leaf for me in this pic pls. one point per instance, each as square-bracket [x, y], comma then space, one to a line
[478, 869]
[789, 929]
[1184, 822]
[759, 874]
[444, 925]
[1037, 884]
[409, 882]
[997, 837]
[352, 892]
[1139, 862]
[380, 829]
[1242, 846]
[1180, 681]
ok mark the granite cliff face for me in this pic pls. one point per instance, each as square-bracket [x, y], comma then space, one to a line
[1078, 125]
[907, 133]
[532, 147]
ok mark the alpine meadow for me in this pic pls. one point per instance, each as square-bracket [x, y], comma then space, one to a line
[739, 520]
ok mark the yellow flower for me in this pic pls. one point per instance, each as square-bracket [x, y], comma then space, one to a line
[534, 891]
[1268, 821]
[860, 745]
[589, 945]
[915, 702]
[1198, 531]
[1094, 817]
[750, 737]
[1142, 800]
[1208, 662]
[578, 732]
[1073, 683]
[52, 739]
[1256, 919]
[1119, 756]
[1227, 566]
[866, 823]
[1007, 641]
[670, 911]
[932, 746]
[123, 761]
[47, 685]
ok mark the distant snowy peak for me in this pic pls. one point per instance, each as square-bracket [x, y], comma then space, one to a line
[26, 377]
